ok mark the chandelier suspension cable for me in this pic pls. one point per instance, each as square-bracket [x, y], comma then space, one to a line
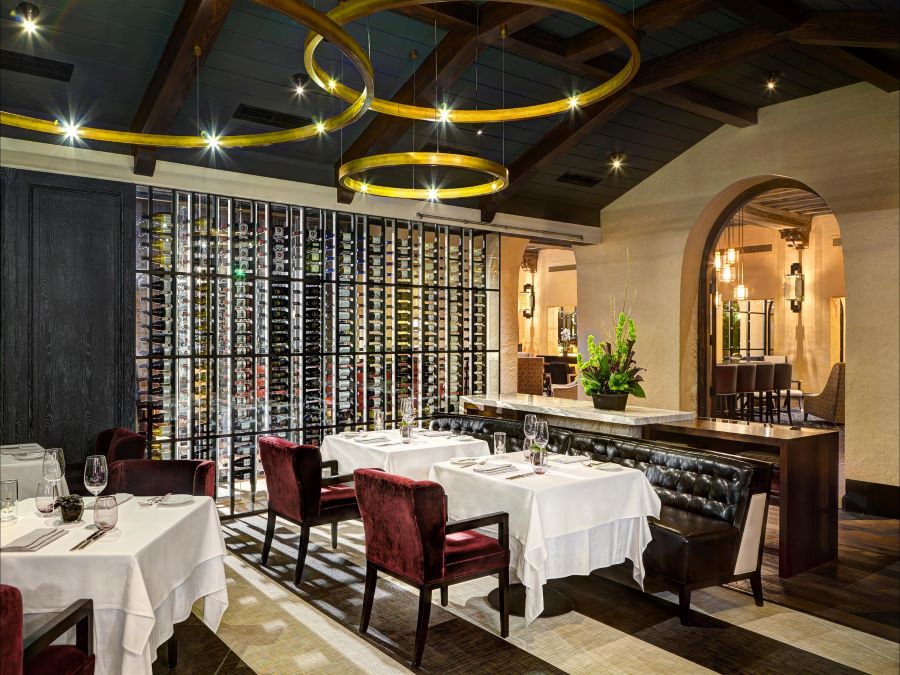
[437, 127]
[477, 34]
[412, 56]
[197, 78]
[503, 92]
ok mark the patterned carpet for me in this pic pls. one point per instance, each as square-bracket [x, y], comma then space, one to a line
[613, 627]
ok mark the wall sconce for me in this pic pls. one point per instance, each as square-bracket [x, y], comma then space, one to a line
[526, 301]
[793, 287]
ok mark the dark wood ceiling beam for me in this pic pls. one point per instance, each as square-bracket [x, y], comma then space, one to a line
[779, 219]
[453, 55]
[650, 18]
[691, 62]
[866, 65]
[705, 104]
[874, 30]
[198, 24]
[555, 143]
[655, 75]
[778, 15]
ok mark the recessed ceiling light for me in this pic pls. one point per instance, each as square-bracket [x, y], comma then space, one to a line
[299, 80]
[771, 80]
[616, 160]
[27, 14]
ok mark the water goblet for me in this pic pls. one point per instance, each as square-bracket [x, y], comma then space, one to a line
[45, 497]
[9, 499]
[531, 423]
[96, 474]
[106, 513]
[541, 439]
[379, 420]
[499, 442]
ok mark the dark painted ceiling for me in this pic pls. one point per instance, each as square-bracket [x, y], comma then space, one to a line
[115, 47]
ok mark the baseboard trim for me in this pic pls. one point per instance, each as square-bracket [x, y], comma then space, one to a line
[874, 499]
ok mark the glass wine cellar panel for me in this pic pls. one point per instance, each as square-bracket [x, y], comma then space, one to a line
[256, 318]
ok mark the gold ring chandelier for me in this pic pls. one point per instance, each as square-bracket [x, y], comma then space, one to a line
[347, 175]
[316, 21]
[589, 9]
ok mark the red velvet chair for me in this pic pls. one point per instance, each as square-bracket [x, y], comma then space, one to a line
[116, 444]
[37, 656]
[408, 537]
[299, 493]
[152, 477]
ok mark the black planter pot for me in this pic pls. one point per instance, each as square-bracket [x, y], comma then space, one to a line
[610, 401]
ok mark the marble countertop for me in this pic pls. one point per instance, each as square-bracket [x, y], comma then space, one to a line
[547, 405]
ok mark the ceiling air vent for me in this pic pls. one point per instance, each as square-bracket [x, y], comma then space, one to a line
[35, 65]
[269, 118]
[836, 241]
[579, 179]
[432, 147]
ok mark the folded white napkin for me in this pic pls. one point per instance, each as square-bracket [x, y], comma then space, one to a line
[34, 540]
[495, 468]
[21, 449]
[371, 439]
[121, 498]
[567, 459]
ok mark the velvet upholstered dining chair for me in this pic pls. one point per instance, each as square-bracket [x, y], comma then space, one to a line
[150, 477]
[120, 443]
[37, 655]
[408, 537]
[298, 493]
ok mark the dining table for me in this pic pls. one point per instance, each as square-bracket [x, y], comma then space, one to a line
[387, 450]
[577, 517]
[143, 576]
[24, 463]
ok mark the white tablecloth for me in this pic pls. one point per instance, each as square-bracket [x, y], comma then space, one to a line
[143, 576]
[571, 520]
[28, 472]
[412, 460]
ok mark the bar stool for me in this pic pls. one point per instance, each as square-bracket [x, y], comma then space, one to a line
[765, 383]
[783, 372]
[726, 389]
[746, 386]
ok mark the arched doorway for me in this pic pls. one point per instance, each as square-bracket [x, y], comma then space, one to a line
[771, 286]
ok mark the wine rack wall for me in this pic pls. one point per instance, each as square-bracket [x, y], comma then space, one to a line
[256, 318]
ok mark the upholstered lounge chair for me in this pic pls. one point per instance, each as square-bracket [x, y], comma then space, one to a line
[299, 493]
[37, 655]
[408, 537]
[829, 404]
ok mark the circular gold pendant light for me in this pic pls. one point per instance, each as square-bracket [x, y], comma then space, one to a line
[589, 9]
[347, 175]
[316, 21]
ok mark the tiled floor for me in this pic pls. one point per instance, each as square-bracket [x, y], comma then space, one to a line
[272, 627]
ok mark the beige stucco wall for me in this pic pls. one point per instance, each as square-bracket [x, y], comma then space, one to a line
[511, 250]
[844, 145]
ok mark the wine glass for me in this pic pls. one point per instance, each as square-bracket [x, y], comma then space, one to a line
[106, 513]
[531, 423]
[499, 442]
[407, 410]
[379, 420]
[54, 466]
[9, 499]
[45, 497]
[541, 439]
[96, 474]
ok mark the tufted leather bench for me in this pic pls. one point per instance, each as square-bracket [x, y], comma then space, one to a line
[711, 526]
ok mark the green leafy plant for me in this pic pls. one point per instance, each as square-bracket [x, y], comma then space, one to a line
[610, 367]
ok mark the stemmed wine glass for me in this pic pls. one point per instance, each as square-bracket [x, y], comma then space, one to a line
[54, 466]
[531, 424]
[96, 474]
[541, 439]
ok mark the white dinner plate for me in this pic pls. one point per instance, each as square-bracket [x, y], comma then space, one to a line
[609, 466]
[462, 438]
[175, 500]
[351, 434]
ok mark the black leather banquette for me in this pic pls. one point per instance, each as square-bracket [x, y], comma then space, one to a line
[712, 523]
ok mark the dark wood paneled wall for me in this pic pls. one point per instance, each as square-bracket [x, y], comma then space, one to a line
[66, 309]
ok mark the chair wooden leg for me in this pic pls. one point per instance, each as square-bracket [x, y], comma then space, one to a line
[172, 652]
[684, 605]
[445, 596]
[270, 532]
[368, 597]
[504, 602]
[334, 534]
[301, 554]
[422, 625]
[789, 411]
[756, 585]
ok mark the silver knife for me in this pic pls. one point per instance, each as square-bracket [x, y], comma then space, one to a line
[84, 542]
[521, 475]
[89, 541]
